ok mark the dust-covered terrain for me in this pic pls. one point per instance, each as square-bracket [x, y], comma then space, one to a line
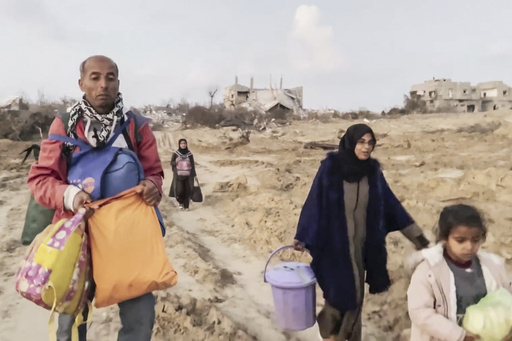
[253, 196]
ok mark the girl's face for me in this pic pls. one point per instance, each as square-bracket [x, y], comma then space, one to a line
[183, 145]
[463, 243]
[364, 147]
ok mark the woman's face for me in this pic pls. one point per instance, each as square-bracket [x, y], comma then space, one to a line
[364, 147]
[183, 145]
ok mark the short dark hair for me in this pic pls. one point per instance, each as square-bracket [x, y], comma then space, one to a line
[460, 215]
[82, 65]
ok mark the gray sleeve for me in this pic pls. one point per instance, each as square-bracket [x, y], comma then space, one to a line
[415, 234]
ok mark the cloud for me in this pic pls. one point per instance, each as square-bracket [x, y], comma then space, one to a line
[499, 49]
[312, 43]
[32, 19]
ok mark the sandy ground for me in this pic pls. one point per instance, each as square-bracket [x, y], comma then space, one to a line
[253, 196]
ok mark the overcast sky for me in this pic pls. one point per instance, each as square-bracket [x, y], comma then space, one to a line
[347, 54]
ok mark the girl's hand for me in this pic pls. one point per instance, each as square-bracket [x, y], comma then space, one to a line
[471, 337]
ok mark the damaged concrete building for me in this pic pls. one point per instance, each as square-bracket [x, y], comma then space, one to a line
[267, 100]
[445, 95]
[13, 103]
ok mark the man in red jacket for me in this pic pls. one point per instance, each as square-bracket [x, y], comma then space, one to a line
[94, 119]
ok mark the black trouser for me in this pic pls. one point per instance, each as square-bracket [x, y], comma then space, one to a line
[183, 191]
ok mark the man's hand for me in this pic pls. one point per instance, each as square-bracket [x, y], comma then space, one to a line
[149, 192]
[79, 201]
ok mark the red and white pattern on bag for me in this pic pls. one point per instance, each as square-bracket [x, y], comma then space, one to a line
[183, 166]
[31, 280]
[58, 240]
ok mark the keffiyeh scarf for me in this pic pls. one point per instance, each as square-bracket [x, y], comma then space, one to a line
[83, 109]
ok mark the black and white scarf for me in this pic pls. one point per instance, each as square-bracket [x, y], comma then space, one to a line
[83, 109]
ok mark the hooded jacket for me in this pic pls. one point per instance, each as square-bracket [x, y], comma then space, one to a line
[431, 297]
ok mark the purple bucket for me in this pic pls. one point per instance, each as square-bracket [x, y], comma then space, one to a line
[293, 288]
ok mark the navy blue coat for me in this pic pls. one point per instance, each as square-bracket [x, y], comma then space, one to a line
[323, 228]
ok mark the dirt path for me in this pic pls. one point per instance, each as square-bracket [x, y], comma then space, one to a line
[220, 294]
[223, 268]
[214, 264]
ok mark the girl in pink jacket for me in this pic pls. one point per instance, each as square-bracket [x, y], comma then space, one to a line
[453, 275]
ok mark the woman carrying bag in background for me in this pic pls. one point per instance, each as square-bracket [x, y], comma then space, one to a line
[184, 172]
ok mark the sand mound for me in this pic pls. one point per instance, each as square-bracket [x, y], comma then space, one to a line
[179, 317]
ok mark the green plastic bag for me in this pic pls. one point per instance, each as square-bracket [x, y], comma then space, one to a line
[37, 219]
[491, 318]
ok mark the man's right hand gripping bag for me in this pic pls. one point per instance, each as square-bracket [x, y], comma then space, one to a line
[127, 249]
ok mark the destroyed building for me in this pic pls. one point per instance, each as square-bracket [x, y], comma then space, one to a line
[13, 103]
[268, 100]
[446, 95]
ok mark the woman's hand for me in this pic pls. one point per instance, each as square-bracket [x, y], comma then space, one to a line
[298, 245]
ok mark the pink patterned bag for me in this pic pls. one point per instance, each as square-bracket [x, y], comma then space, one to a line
[56, 273]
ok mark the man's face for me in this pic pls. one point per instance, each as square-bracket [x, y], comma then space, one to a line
[100, 83]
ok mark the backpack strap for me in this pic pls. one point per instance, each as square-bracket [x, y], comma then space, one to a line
[83, 144]
[128, 140]
[138, 119]
[139, 122]
[118, 132]
[65, 120]
[66, 139]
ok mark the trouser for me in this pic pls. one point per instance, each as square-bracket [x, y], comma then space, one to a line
[341, 327]
[137, 319]
[183, 191]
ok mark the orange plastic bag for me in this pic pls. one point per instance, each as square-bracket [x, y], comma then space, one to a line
[127, 249]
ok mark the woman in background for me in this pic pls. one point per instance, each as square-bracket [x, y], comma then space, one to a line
[184, 172]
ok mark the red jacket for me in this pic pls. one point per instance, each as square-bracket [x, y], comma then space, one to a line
[47, 178]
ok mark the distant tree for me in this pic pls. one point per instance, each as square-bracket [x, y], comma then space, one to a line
[199, 115]
[41, 98]
[67, 101]
[212, 95]
[414, 104]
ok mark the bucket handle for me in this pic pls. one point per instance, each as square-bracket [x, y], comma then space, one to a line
[271, 256]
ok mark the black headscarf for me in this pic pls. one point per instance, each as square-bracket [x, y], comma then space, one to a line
[180, 150]
[353, 169]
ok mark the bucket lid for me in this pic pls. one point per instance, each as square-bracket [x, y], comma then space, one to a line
[291, 275]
